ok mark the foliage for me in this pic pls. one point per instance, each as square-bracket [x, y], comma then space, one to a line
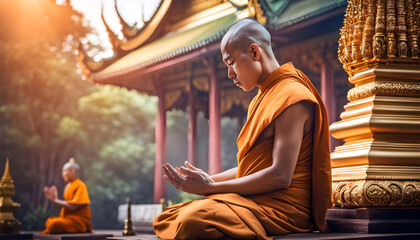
[48, 114]
[37, 93]
[35, 220]
[116, 148]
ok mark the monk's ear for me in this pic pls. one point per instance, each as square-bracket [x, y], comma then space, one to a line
[255, 51]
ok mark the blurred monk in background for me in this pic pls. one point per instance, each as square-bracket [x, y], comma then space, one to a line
[75, 213]
[282, 183]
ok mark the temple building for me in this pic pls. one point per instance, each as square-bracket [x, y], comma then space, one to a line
[360, 54]
[176, 57]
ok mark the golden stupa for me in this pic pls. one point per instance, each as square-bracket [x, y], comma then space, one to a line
[8, 223]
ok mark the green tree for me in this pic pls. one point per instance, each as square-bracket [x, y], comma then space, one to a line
[40, 85]
[116, 148]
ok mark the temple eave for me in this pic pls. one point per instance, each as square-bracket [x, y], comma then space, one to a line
[139, 70]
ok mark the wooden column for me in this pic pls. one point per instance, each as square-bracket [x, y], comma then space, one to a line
[192, 127]
[327, 95]
[215, 163]
[159, 184]
[327, 90]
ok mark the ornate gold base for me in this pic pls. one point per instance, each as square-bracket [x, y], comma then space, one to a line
[9, 225]
[379, 164]
[376, 192]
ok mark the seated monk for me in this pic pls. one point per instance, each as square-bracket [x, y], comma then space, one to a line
[282, 183]
[75, 213]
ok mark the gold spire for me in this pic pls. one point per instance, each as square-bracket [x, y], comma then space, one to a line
[128, 225]
[8, 223]
[7, 178]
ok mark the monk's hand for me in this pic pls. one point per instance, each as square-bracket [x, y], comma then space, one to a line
[187, 180]
[173, 176]
[47, 192]
[53, 193]
[197, 181]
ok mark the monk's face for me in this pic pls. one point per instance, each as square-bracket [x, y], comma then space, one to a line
[243, 67]
[68, 174]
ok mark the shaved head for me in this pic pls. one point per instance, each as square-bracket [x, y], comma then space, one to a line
[71, 164]
[245, 32]
[247, 53]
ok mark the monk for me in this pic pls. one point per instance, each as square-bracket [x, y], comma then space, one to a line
[75, 213]
[282, 183]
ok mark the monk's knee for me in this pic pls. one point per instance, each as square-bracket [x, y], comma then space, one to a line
[194, 214]
[55, 225]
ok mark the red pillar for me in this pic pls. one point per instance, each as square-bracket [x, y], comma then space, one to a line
[192, 128]
[215, 163]
[159, 184]
[327, 95]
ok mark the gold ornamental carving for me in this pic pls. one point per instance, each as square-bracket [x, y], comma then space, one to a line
[201, 83]
[379, 163]
[378, 31]
[384, 89]
[256, 12]
[312, 54]
[171, 97]
[234, 97]
[378, 192]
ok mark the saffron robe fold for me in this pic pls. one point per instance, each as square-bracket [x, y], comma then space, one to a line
[72, 221]
[300, 208]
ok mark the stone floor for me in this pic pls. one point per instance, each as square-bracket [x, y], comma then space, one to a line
[117, 235]
[297, 236]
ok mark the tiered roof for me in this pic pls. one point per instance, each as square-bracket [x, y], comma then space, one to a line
[182, 26]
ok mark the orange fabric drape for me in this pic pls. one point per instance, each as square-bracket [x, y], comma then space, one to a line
[300, 208]
[72, 221]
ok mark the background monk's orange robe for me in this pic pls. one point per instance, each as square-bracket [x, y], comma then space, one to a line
[300, 208]
[72, 221]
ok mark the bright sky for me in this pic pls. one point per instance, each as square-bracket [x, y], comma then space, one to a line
[130, 10]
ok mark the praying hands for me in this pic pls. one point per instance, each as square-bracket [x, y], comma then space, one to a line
[51, 193]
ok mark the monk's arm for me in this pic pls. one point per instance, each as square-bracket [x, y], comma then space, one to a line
[224, 176]
[63, 203]
[52, 195]
[289, 130]
[288, 135]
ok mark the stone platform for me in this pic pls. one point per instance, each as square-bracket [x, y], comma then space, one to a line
[374, 220]
[16, 236]
[72, 236]
[312, 236]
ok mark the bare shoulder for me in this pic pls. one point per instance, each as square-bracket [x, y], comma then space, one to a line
[298, 114]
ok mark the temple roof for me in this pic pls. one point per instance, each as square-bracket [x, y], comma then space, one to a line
[170, 45]
[284, 13]
[175, 35]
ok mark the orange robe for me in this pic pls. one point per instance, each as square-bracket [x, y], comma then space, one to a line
[72, 221]
[300, 208]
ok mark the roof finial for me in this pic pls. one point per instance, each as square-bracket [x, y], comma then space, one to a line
[127, 30]
[142, 14]
[113, 38]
